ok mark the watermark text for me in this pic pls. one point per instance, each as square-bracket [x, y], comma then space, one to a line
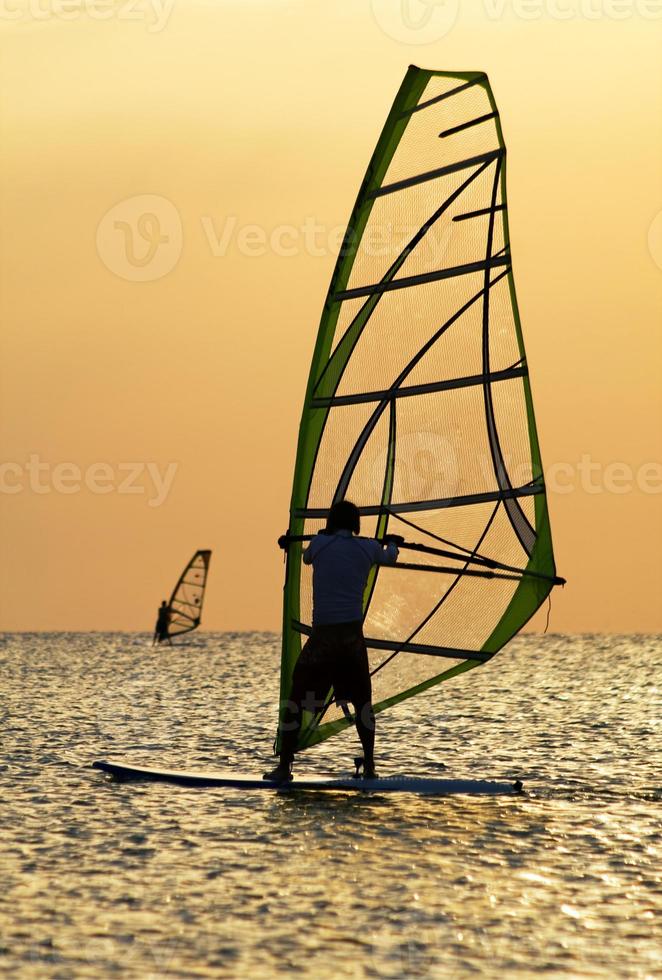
[42, 477]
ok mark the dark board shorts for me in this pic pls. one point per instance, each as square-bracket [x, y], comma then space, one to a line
[333, 656]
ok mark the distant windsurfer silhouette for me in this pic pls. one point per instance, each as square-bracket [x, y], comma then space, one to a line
[335, 655]
[161, 634]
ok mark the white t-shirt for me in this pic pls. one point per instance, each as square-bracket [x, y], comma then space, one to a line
[341, 564]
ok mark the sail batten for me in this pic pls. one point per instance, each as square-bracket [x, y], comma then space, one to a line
[419, 403]
[467, 125]
[408, 281]
[411, 507]
[408, 392]
[451, 168]
[404, 647]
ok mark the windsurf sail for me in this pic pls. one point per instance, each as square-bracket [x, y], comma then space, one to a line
[188, 595]
[418, 406]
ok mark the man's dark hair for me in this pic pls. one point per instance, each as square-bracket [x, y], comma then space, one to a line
[344, 516]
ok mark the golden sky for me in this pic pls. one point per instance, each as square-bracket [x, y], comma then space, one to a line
[245, 128]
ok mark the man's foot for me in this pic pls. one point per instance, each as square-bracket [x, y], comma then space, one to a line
[364, 770]
[281, 774]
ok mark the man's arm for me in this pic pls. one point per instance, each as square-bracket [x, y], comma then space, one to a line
[284, 543]
[387, 550]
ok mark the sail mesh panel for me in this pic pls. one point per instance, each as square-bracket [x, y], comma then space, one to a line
[422, 297]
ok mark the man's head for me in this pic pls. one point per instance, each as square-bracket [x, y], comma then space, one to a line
[344, 516]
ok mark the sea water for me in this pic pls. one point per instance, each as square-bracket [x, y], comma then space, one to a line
[99, 879]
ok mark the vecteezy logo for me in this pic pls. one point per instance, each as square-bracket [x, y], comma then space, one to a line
[655, 239]
[415, 21]
[426, 468]
[140, 239]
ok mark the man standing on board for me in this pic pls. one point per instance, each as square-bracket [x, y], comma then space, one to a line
[162, 623]
[335, 655]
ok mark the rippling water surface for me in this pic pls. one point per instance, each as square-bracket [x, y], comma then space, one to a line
[102, 879]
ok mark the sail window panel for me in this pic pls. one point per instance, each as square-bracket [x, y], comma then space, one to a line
[402, 322]
[458, 352]
[501, 541]
[440, 85]
[469, 615]
[481, 136]
[504, 349]
[509, 407]
[400, 602]
[442, 447]
[468, 611]
[341, 432]
[421, 148]
[445, 244]
[311, 526]
[471, 610]
[458, 526]
[467, 240]
[369, 525]
[397, 220]
[448, 565]
[366, 485]
[405, 671]
[469, 607]
[333, 713]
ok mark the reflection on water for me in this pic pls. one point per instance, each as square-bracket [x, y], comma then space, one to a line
[103, 880]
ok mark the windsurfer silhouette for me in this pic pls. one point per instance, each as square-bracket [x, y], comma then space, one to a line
[335, 655]
[162, 623]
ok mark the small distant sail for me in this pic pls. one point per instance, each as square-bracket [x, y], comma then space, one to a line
[419, 408]
[188, 595]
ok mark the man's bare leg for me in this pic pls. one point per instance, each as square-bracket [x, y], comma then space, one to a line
[365, 726]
